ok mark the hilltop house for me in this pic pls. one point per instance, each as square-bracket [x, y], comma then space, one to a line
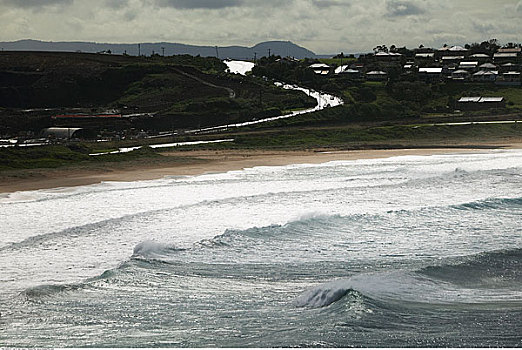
[320, 68]
[516, 50]
[451, 51]
[487, 66]
[451, 59]
[469, 66]
[509, 67]
[512, 77]
[505, 56]
[388, 56]
[377, 75]
[481, 57]
[428, 56]
[347, 71]
[430, 74]
[460, 74]
[485, 76]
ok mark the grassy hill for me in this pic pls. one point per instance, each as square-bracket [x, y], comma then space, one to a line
[182, 91]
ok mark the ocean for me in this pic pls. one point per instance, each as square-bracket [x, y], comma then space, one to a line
[409, 251]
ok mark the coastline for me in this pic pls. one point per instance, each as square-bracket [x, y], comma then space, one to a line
[210, 161]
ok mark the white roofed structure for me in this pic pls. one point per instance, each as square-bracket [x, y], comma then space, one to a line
[345, 69]
[431, 70]
[479, 55]
[477, 103]
[487, 66]
[425, 55]
[61, 133]
[320, 68]
[471, 64]
[505, 55]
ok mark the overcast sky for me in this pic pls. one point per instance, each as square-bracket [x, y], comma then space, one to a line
[323, 26]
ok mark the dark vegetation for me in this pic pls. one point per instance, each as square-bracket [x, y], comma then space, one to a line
[60, 155]
[182, 91]
[338, 137]
[403, 97]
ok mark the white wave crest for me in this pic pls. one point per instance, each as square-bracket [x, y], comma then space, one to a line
[148, 249]
[323, 295]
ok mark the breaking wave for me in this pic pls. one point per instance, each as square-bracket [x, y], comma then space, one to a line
[446, 284]
[492, 203]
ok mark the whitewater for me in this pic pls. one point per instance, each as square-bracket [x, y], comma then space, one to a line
[403, 251]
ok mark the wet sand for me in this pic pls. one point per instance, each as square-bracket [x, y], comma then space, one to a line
[200, 162]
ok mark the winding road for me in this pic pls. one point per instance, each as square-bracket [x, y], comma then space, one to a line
[242, 67]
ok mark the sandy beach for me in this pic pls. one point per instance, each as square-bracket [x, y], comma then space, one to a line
[201, 162]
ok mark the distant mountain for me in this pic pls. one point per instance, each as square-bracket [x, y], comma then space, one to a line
[282, 48]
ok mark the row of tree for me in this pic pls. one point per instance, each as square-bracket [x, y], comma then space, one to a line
[489, 46]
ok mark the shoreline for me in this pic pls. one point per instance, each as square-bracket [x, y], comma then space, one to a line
[200, 162]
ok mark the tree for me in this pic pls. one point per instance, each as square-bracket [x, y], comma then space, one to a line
[380, 48]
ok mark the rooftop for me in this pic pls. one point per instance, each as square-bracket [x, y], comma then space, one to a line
[477, 99]
[479, 55]
[319, 65]
[430, 70]
[488, 66]
[505, 55]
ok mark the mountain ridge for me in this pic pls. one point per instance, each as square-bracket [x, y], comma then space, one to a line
[281, 48]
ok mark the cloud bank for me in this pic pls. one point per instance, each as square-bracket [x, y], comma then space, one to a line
[324, 26]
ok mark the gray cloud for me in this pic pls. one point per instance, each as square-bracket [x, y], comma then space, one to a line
[330, 3]
[117, 4]
[199, 4]
[323, 26]
[403, 8]
[34, 3]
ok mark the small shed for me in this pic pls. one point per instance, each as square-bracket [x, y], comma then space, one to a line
[62, 133]
[485, 75]
[460, 75]
[376, 75]
[478, 103]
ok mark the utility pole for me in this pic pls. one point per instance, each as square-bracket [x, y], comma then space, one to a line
[163, 51]
[269, 53]
[139, 49]
[217, 52]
